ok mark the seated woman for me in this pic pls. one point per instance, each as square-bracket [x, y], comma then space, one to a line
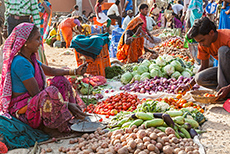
[67, 28]
[131, 44]
[23, 91]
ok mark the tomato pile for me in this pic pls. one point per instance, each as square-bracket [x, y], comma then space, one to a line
[175, 42]
[179, 103]
[209, 95]
[115, 104]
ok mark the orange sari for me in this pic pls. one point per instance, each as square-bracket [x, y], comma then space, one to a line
[131, 52]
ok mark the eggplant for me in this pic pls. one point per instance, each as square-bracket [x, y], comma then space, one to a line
[168, 120]
[187, 126]
[192, 132]
[133, 116]
[158, 115]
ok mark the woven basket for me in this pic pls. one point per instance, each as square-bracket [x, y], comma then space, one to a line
[198, 96]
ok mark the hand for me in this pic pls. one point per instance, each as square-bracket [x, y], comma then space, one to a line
[82, 69]
[99, 18]
[182, 89]
[76, 111]
[223, 92]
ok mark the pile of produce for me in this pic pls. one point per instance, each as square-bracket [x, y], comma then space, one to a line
[157, 84]
[164, 66]
[113, 71]
[175, 42]
[129, 67]
[137, 140]
[95, 80]
[115, 104]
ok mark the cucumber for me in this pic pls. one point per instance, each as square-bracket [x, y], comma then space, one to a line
[192, 122]
[136, 122]
[174, 113]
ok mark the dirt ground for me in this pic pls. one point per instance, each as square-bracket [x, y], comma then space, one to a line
[215, 141]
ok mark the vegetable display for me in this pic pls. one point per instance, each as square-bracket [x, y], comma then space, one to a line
[113, 71]
[157, 84]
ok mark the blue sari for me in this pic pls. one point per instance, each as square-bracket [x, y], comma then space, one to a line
[196, 8]
[224, 22]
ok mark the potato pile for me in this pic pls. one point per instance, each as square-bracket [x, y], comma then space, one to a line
[132, 141]
[173, 51]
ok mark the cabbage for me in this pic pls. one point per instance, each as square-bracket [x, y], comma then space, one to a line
[169, 58]
[154, 66]
[134, 73]
[176, 75]
[135, 68]
[188, 70]
[154, 72]
[126, 78]
[146, 74]
[146, 62]
[169, 69]
[142, 69]
[137, 77]
[177, 65]
[160, 61]
[186, 74]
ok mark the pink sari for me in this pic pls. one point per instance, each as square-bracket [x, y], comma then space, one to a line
[45, 108]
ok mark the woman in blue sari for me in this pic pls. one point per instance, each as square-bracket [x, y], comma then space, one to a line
[224, 21]
[196, 8]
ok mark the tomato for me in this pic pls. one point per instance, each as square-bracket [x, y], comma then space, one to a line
[101, 120]
[107, 116]
[178, 96]
[133, 101]
[190, 103]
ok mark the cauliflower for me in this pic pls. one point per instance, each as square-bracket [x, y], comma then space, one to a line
[162, 106]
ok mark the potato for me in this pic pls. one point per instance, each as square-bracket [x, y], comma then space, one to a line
[146, 139]
[159, 140]
[188, 148]
[165, 139]
[146, 143]
[133, 135]
[159, 146]
[132, 144]
[49, 150]
[142, 152]
[174, 140]
[124, 143]
[151, 147]
[133, 127]
[195, 152]
[137, 151]
[161, 134]
[182, 152]
[135, 130]
[140, 146]
[117, 147]
[123, 138]
[128, 130]
[104, 145]
[176, 151]
[167, 149]
[147, 151]
[153, 136]
[123, 150]
[141, 134]
[169, 131]
[138, 140]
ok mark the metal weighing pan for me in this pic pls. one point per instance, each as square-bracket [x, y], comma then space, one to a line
[87, 127]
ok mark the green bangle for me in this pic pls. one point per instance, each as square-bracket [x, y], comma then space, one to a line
[134, 35]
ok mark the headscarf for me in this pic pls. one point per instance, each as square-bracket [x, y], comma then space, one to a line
[196, 4]
[11, 47]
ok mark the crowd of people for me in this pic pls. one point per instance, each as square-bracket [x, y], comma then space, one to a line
[23, 90]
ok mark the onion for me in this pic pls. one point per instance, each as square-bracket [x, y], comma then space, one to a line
[142, 90]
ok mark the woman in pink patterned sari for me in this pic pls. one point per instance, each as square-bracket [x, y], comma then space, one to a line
[23, 91]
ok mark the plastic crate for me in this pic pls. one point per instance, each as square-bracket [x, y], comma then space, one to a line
[104, 53]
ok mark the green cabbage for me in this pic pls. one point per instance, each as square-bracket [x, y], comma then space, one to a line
[177, 65]
[146, 62]
[144, 76]
[134, 73]
[137, 77]
[176, 75]
[168, 58]
[154, 66]
[126, 78]
[188, 70]
[160, 61]
[169, 69]
[135, 68]
[154, 72]
[186, 74]
[142, 69]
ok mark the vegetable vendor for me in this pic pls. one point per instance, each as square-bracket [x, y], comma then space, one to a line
[131, 44]
[23, 91]
[216, 43]
[149, 41]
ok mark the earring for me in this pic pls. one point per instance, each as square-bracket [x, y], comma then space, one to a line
[25, 45]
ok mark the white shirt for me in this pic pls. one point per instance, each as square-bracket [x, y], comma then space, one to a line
[111, 1]
[186, 4]
[113, 10]
[126, 21]
[76, 13]
[150, 23]
[177, 8]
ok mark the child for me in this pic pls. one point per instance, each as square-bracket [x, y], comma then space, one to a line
[101, 17]
[53, 35]
[76, 12]
[85, 19]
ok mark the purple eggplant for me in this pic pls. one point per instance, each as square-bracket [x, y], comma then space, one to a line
[157, 115]
[168, 120]
[192, 132]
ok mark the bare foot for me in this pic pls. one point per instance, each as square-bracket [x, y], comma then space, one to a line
[227, 12]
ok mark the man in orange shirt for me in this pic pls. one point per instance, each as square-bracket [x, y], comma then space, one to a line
[216, 43]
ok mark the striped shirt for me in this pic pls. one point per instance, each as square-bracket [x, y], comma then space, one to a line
[22, 8]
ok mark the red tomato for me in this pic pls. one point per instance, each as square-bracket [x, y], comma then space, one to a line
[107, 116]
[101, 120]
